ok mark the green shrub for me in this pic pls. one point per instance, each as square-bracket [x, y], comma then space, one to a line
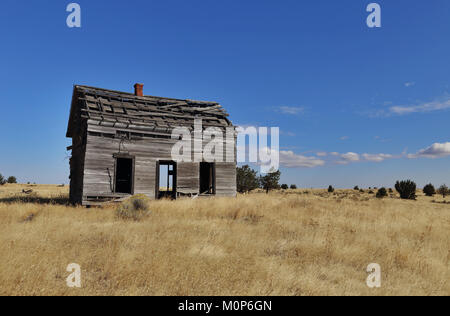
[330, 189]
[2, 180]
[293, 187]
[406, 189]
[135, 208]
[356, 188]
[443, 190]
[382, 192]
[11, 180]
[270, 181]
[429, 190]
[246, 179]
[284, 186]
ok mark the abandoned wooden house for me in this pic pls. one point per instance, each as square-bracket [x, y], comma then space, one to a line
[122, 144]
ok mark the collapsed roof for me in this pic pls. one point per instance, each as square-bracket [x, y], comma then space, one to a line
[139, 112]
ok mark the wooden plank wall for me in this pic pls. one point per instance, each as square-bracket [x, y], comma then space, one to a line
[188, 178]
[147, 151]
[225, 179]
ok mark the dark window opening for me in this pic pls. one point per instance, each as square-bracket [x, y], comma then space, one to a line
[124, 175]
[166, 180]
[207, 178]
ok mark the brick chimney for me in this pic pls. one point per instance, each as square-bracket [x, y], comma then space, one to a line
[139, 89]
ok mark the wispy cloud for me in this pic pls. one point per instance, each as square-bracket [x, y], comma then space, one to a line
[409, 84]
[291, 160]
[344, 138]
[290, 134]
[376, 157]
[291, 110]
[421, 108]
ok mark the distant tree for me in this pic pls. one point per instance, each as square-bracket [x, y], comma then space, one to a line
[270, 181]
[356, 188]
[246, 179]
[330, 189]
[390, 190]
[284, 186]
[429, 190]
[382, 192]
[407, 189]
[443, 190]
[2, 180]
[11, 180]
[293, 187]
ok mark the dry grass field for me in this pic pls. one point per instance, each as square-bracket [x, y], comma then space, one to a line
[302, 242]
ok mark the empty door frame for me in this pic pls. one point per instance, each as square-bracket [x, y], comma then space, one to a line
[173, 193]
[207, 178]
[117, 158]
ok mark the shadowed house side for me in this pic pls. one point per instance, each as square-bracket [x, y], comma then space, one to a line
[122, 145]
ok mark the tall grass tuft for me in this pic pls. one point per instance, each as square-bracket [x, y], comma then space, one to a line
[135, 208]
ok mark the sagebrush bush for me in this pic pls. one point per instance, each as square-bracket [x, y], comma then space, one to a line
[382, 192]
[406, 189]
[429, 190]
[135, 208]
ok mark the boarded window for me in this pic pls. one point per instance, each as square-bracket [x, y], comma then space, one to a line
[124, 175]
[207, 178]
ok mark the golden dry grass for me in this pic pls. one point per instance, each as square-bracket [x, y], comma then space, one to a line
[292, 243]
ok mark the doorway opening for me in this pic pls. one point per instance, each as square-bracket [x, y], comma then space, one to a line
[166, 180]
[207, 178]
[124, 175]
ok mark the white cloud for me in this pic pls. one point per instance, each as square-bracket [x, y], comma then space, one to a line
[321, 154]
[344, 138]
[291, 160]
[422, 108]
[291, 110]
[350, 157]
[409, 84]
[377, 157]
[436, 150]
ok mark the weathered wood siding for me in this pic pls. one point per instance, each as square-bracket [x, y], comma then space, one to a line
[188, 178]
[99, 166]
[225, 179]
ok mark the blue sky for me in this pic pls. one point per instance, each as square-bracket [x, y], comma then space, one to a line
[356, 106]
